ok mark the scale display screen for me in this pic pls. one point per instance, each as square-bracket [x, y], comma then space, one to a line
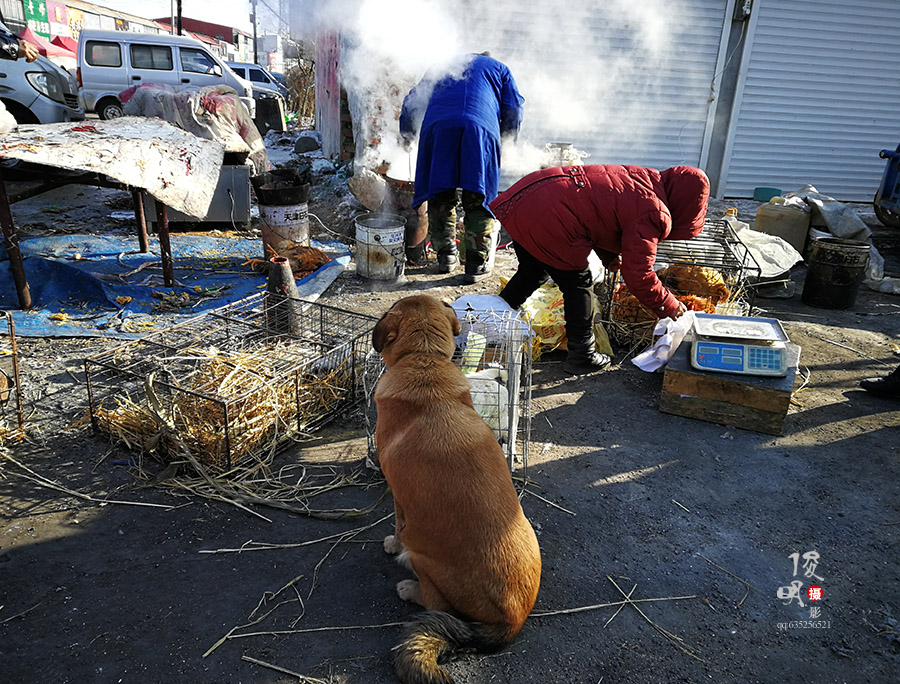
[735, 344]
[748, 359]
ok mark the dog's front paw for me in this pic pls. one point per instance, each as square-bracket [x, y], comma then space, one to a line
[408, 590]
[392, 545]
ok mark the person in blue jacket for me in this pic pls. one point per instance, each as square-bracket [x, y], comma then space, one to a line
[462, 110]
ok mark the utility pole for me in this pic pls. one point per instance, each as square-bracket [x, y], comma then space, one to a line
[178, 18]
[253, 19]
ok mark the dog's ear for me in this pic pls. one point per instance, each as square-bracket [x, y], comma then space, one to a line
[454, 320]
[384, 333]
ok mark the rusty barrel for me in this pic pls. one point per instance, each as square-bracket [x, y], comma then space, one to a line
[402, 191]
[836, 270]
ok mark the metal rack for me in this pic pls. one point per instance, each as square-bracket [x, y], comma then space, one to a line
[233, 384]
[710, 273]
[494, 351]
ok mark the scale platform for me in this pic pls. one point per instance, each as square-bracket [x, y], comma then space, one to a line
[739, 344]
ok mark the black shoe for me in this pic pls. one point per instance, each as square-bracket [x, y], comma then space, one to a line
[579, 363]
[475, 271]
[887, 387]
[447, 262]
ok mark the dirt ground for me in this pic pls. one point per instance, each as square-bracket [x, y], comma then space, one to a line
[129, 582]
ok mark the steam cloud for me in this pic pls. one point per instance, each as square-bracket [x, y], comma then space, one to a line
[558, 53]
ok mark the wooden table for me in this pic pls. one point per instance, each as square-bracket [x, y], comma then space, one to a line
[179, 169]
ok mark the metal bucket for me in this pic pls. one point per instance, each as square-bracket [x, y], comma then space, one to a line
[836, 270]
[380, 252]
[283, 225]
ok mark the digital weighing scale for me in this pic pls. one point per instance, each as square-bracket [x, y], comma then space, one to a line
[739, 344]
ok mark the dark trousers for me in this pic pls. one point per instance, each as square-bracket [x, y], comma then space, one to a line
[574, 285]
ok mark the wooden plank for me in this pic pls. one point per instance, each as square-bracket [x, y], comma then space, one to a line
[768, 422]
[727, 390]
[756, 403]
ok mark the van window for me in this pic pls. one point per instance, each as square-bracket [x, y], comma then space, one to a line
[197, 61]
[151, 57]
[239, 71]
[97, 53]
[258, 77]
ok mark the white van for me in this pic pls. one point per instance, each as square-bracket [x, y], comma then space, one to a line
[112, 61]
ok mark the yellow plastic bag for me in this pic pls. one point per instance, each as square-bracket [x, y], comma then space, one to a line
[544, 311]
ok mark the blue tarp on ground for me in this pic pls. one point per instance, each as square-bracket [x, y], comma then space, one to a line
[89, 296]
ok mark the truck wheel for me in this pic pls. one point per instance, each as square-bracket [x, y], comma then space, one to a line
[889, 218]
[109, 108]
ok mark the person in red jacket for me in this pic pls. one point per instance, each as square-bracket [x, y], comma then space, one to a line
[556, 216]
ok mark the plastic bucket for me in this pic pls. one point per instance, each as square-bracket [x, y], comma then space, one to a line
[836, 269]
[282, 226]
[380, 252]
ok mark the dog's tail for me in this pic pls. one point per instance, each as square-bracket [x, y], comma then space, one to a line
[435, 634]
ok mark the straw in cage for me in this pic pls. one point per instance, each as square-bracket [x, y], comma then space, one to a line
[264, 404]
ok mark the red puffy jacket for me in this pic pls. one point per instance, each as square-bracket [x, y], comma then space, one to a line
[560, 214]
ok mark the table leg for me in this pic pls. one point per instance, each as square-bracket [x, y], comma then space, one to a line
[165, 248]
[11, 242]
[137, 199]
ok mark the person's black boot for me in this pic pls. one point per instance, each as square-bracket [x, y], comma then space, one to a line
[476, 269]
[584, 358]
[887, 387]
[447, 260]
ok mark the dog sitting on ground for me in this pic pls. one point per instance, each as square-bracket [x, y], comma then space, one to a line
[459, 524]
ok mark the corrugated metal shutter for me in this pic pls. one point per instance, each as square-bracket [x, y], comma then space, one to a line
[820, 98]
[627, 83]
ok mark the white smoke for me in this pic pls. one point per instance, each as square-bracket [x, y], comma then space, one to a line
[587, 70]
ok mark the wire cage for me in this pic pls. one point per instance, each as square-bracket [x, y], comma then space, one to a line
[12, 417]
[494, 351]
[710, 273]
[233, 384]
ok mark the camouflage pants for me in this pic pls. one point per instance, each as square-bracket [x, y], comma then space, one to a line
[478, 224]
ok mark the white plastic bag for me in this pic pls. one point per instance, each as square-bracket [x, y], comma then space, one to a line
[672, 333]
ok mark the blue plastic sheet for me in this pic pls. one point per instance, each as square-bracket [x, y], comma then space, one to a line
[102, 294]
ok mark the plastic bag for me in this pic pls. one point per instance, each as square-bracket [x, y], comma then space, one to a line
[660, 352]
[773, 254]
[545, 311]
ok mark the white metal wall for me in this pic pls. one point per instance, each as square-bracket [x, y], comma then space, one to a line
[818, 98]
[627, 81]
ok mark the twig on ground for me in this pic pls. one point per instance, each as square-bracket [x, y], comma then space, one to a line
[50, 484]
[597, 606]
[619, 609]
[681, 506]
[264, 546]
[24, 612]
[855, 351]
[303, 678]
[548, 502]
[309, 630]
[675, 639]
[743, 581]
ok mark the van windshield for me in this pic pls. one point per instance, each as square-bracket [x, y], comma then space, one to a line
[197, 61]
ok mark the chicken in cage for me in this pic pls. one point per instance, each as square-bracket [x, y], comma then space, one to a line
[709, 273]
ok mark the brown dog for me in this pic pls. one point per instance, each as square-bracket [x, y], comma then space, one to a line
[459, 524]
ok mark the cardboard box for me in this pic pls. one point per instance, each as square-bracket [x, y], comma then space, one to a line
[750, 402]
